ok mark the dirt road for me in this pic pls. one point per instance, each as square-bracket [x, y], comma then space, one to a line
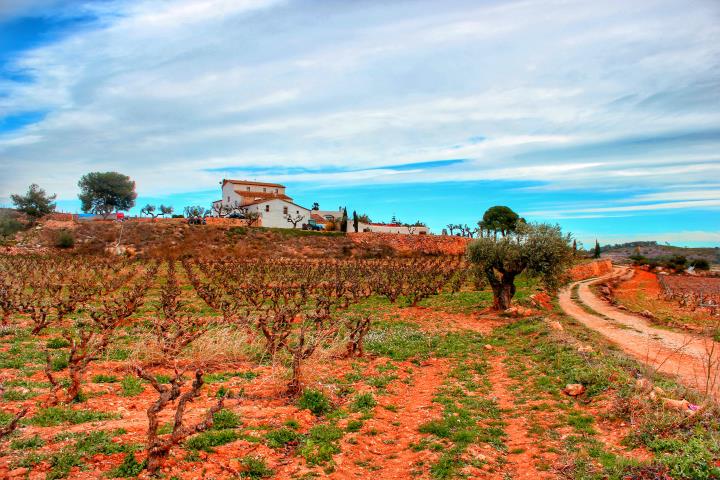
[695, 360]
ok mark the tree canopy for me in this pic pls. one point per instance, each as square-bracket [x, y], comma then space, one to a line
[500, 219]
[35, 203]
[102, 193]
[538, 249]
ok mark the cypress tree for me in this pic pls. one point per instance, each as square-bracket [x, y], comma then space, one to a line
[597, 249]
[344, 221]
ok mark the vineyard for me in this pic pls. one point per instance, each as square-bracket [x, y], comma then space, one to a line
[692, 292]
[225, 367]
[285, 312]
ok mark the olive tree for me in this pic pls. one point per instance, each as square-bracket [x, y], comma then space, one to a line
[149, 210]
[538, 249]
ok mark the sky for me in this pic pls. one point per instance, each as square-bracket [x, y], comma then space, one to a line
[603, 117]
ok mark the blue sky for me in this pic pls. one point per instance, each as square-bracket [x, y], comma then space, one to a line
[602, 116]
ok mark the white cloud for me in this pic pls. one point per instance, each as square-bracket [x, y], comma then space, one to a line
[165, 90]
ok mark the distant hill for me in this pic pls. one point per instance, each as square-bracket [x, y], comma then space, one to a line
[619, 253]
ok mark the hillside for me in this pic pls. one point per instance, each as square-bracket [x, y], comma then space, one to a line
[174, 236]
[620, 253]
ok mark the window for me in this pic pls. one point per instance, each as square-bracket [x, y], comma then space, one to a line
[297, 211]
[264, 189]
[267, 208]
[228, 198]
[248, 189]
[285, 210]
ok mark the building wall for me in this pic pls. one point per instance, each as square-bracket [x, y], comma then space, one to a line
[275, 217]
[363, 227]
[336, 214]
[229, 191]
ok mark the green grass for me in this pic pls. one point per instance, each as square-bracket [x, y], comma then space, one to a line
[131, 386]
[254, 467]
[280, 437]
[129, 468]
[57, 342]
[85, 445]
[380, 382]
[27, 443]
[206, 441]
[221, 377]
[225, 419]
[105, 379]
[53, 416]
[354, 425]
[15, 395]
[315, 401]
[321, 444]
[363, 402]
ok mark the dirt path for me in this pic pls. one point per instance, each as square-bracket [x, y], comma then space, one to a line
[432, 320]
[387, 453]
[681, 354]
[522, 451]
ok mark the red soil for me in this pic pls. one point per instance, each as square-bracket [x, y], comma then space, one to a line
[642, 292]
[590, 269]
[397, 430]
[433, 320]
[524, 453]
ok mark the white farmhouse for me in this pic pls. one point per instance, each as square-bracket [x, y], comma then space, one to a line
[267, 199]
[393, 228]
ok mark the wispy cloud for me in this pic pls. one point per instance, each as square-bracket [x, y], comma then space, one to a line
[615, 100]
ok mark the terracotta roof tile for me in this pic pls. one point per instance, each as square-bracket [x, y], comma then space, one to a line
[248, 182]
[253, 196]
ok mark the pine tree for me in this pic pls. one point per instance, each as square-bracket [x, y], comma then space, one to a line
[35, 203]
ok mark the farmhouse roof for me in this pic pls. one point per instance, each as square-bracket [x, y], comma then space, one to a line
[248, 182]
[265, 200]
[262, 195]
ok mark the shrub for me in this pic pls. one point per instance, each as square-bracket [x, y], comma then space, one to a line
[315, 401]
[364, 402]
[9, 226]
[354, 425]
[64, 239]
[225, 419]
[700, 264]
[281, 437]
[254, 467]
